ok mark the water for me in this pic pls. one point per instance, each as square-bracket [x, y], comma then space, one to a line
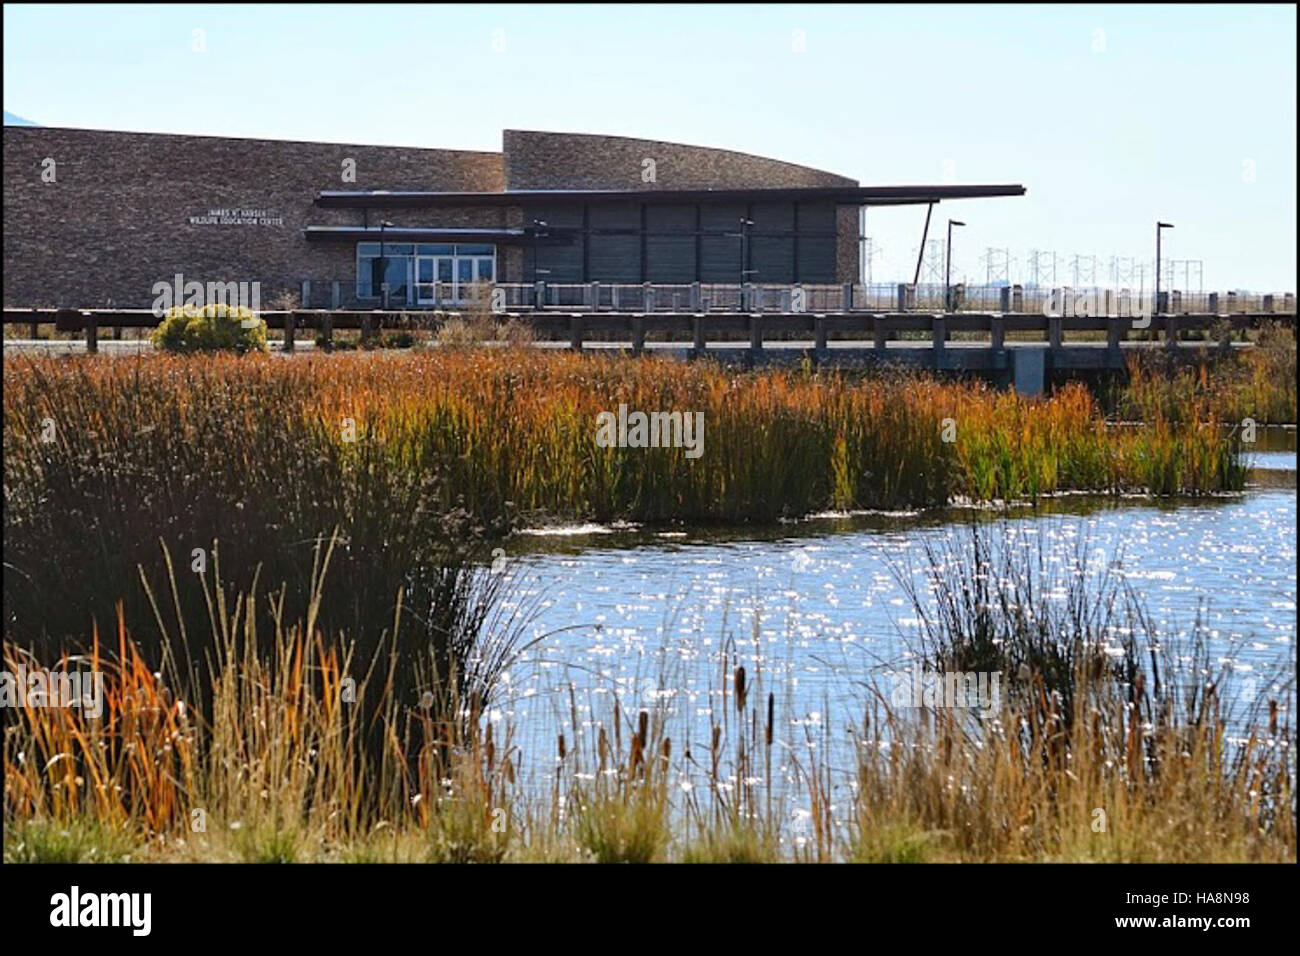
[815, 609]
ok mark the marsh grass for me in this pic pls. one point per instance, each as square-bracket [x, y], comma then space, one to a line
[1104, 722]
[416, 460]
[320, 688]
[281, 775]
[1257, 383]
[44, 841]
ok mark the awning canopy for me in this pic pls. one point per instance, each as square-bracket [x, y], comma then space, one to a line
[504, 236]
[855, 195]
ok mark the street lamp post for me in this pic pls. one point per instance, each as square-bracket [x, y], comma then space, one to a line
[744, 257]
[947, 264]
[538, 227]
[1159, 226]
[383, 265]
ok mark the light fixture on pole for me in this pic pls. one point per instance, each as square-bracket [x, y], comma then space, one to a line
[539, 295]
[1159, 226]
[744, 258]
[383, 265]
[947, 267]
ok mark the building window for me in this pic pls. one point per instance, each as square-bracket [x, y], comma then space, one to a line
[424, 273]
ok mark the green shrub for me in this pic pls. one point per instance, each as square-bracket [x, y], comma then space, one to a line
[212, 328]
[398, 340]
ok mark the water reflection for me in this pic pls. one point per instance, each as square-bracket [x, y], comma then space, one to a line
[813, 609]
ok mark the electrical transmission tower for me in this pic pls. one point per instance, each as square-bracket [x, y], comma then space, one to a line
[871, 250]
[997, 266]
[1042, 267]
[932, 267]
[1084, 269]
[1123, 272]
[1191, 270]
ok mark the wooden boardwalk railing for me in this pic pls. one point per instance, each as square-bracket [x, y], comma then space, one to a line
[824, 336]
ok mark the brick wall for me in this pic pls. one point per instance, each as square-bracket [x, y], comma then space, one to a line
[847, 252]
[117, 218]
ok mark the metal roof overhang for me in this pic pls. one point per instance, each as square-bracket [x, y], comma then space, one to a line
[414, 234]
[855, 195]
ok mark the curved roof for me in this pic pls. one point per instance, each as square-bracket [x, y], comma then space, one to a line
[541, 160]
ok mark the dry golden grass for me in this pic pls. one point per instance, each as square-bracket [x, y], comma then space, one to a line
[241, 713]
[280, 772]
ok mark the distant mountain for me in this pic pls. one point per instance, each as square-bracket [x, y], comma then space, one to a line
[12, 120]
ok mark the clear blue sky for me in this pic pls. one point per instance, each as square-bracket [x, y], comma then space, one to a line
[1183, 113]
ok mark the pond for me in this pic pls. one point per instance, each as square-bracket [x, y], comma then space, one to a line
[813, 609]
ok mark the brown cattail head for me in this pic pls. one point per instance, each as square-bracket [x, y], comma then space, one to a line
[642, 728]
[740, 688]
[1272, 717]
[563, 750]
[666, 748]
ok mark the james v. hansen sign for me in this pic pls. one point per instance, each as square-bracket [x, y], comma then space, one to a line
[238, 217]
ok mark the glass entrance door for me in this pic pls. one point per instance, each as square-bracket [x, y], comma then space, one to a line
[449, 280]
[446, 275]
[424, 273]
[435, 280]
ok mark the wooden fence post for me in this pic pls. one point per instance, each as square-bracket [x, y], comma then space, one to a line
[638, 334]
[1053, 332]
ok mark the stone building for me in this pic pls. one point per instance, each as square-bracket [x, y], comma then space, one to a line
[96, 218]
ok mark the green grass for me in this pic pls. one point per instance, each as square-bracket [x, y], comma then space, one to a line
[77, 841]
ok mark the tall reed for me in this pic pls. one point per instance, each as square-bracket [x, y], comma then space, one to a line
[1154, 767]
